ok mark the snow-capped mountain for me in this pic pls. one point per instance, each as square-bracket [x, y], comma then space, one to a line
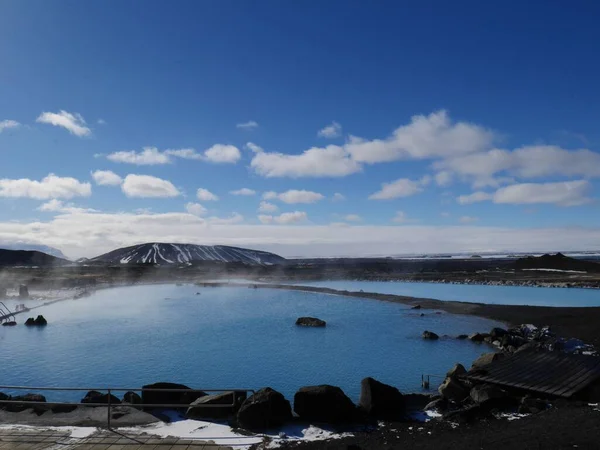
[160, 253]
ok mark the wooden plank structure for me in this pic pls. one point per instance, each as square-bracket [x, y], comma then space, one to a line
[550, 373]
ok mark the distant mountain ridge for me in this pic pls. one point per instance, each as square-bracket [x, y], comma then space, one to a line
[556, 262]
[28, 258]
[33, 247]
[167, 253]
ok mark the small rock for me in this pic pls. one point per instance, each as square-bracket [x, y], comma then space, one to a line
[498, 333]
[483, 393]
[99, 397]
[310, 322]
[456, 371]
[324, 403]
[430, 335]
[462, 336]
[477, 337]
[451, 389]
[265, 409]
[416, 307]
[380, 400]
[486, 358]
[133, 398]
[530, 405]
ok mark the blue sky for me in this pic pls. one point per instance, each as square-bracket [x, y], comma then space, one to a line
[482, 120]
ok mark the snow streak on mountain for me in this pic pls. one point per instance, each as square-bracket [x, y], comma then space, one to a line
[159, 253]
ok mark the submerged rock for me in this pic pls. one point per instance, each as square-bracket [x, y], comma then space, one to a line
[430, 335]
[380, 400]
[462, 336]
[325, 403]
[310, 322]
[265, 409]
[202, 408]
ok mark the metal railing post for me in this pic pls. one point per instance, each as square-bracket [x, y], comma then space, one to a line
[108, 417]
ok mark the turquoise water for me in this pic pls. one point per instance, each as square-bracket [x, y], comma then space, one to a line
[472, 293]
[230, 338]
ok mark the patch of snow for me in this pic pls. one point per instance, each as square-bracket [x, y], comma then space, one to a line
[558, 270]
[511, 416]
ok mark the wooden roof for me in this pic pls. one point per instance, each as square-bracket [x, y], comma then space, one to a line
[551, 373]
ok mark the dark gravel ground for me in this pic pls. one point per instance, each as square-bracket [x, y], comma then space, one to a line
[566, 426]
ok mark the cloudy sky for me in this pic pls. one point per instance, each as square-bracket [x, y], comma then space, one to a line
[309, 129]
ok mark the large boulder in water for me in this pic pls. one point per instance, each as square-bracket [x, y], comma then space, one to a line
[150, 397]
[310, 322]
[99, 397]
[380, 400]
[325, 403]
[41, 320]
[265, 409]
[203, 408]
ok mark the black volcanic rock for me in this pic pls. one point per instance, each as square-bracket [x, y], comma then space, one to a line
[310, 322]
[166, 253]
[430, 335]
[556, 262]
[150, 397]
[265, 409]
[380, 400]
[325, 403]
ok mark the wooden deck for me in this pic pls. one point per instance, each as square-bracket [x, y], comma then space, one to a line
[550, 373]
[32, 439]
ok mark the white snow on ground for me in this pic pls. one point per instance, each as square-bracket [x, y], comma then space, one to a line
[512, 416]
[222, 434]
[558, 270]
[75, 432]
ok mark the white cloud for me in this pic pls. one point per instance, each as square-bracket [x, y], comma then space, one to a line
[475, 197]
[55, 205]
[81, 233]
[400, 217]
[250, 125]
[233, 219]
[184, 153]
[337, 197]
[431, 136]
[51, 205]
[243, 191]
[402, 187]
[569, 193]
[352, 218]
[267, 207]
[149, 156]
[524, 162]
[7, 124]
[146, 186]
[220, 153]
[51, 186]
[106, 178]
[445, 214]
[195, 208]
[331, 131]
[206, 195]
[468, 219]
[253, 147]
[294, 196]
[331, 161]
[284, 219]
[101, 122]
[443, 178]
[74, 123]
